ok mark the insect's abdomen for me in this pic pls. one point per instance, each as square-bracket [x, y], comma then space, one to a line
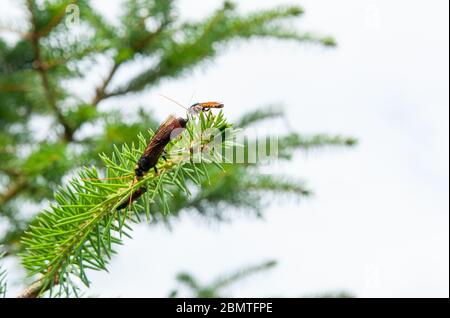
[146, 162]
[136, 195]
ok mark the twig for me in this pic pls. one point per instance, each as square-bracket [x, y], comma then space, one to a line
[39, 66]
[137, 47]
[101, 90]
[32, 291]
[37, 288]
[11, 192]
[10, 171]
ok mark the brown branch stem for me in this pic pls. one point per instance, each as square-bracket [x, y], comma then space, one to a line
[100, 92]
[39, 66]
[32, 291]
[35, 289]
[13, 190]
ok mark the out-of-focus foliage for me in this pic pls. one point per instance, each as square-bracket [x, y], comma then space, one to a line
[216, 287]
[2, 276]
[337, 294]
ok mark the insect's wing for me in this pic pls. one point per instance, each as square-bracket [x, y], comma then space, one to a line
[162, 134]
[195, 110]
[164, 127]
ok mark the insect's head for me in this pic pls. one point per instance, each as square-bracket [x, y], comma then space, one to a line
[197, 108]
[183, 122]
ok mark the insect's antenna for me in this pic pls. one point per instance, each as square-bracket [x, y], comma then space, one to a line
[174, 101]
[192, 97]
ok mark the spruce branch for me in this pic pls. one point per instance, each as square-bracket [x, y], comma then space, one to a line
[79, 231]
[278, 185]
[296, 141]
[259, 115]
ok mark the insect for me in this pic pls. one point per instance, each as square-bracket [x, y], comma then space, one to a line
[171, 128]
[197, 108]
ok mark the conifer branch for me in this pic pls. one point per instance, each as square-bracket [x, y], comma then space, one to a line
[80, 230]
[295, 141]
[259, 115]
[202, 41]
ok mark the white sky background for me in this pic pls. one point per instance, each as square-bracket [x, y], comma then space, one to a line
[378, 225]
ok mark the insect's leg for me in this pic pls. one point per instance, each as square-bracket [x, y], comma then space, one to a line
[164, 156]
[156, 170]
[131, 198]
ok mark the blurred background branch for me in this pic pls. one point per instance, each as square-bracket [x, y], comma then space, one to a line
[217, 288]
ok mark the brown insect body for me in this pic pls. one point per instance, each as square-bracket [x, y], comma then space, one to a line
[155, 148]
[197, 108]
[150, 157]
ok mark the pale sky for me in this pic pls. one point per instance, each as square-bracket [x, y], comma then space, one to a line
[378, 225]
